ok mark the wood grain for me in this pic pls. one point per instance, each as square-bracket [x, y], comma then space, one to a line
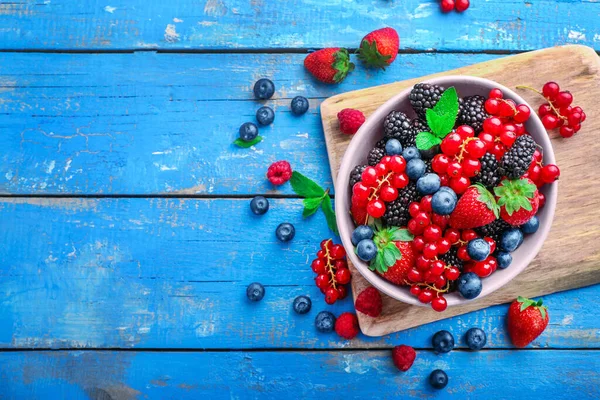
[570, 257]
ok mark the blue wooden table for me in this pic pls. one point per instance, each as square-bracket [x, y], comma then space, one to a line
[127, 239]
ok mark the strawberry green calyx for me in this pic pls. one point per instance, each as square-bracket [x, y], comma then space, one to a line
[370, 55]
[526, 303]
[515, 194]
[486, 197]
[342, 65]
[387, 251]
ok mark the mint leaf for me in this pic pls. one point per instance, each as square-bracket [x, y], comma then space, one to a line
[329, 214]
[311, 205]
[426, 140]
[440, 124]
[448, 103]
[304, 186]
[244, 145]
[442, 117]
[402, 235]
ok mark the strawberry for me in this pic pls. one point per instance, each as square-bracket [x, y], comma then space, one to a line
[379, 48]
[398, 272]
[395, 256]
[329, 65]
[518, 199]
[476, 207]
[527, 319]
[359, 214]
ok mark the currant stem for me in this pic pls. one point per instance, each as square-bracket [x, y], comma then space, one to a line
[330, 267]
[556, 111]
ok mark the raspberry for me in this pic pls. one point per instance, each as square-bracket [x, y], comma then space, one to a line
[350, 120]
[347, 326]
[279, 172]
[403, 357]
[369, 302]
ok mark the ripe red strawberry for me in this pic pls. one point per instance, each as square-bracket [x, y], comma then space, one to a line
[477, 207]
[527, 319]
[329, 65]
[398, 272]
[518, 200]
[403, 357]
[369, 302]
[359, 214]
[350, 120]
[379, 48]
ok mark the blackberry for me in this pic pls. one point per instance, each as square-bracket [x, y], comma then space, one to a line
[420, 125]
[493, 230]
[356, 174]
[516, 160]
[471, 111]
[375, 155]
[451, 258]
[397, 125]
[396, 213]
[424, 96]
[488, 176]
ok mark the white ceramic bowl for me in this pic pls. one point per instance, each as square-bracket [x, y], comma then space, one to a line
[372, 131]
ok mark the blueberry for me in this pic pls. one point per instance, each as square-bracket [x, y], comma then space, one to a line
[429, 153]
[285, 232]
[504, 259]
[475, 338]
[428, 184]
[443, 342]
[393, 147]
[438, 379]
[511, 240]
[265, 116]
[531, 226]
[469, 285]
[366, 250]
[259, 205]
[411, 152]
[299, 105]
[478, 249]
[360, 233]
[248, 131]
[264, 89]
[415, 168]
[302, 304]
[444, 201]
[325, 321]
[255, 291]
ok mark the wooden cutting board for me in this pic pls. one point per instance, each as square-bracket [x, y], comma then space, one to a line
[570, 257]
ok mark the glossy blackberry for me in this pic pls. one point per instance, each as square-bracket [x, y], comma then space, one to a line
[428, 168]
[420, 125]
[516, 160]
[471, 111]
[451, 258]
[375, 155]
[493, 230]
[489, 175]
[355, 175]
[396, 213]
[424, 96]
[397, 125]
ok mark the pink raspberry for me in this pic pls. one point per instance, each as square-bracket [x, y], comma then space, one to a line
[350, 120]
[369, 302]
[279, 172]
[403, 357]
[347, 326]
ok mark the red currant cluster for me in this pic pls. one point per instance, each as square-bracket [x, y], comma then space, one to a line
[541, 174]
[332, 271]
[379, 185]
[458, 5]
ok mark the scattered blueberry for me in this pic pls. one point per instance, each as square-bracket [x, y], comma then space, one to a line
[255, 291]
[264, 89]
[265, 115]
[475, 338]
[428, 184]
[366, 250]
[325, 321]
[443, 342]
[444, 201]
[299, 105]
[302, 304]
[248, 131]
[285, 232]
[531, 226]
[360, 233]
[478, 249]
[469, 285]
[438, 379]
[415, 168]
[393, 147]
[411, 152]
[511, 240]
[259, 205]
[504, 259]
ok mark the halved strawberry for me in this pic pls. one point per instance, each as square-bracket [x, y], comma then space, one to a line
[476, 207]
[518, 200]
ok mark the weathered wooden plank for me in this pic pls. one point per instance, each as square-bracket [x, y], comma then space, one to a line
[151, 123]
[258, 24]
[156, 273]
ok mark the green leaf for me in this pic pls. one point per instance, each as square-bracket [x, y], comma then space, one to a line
[304, 186]
[488, 199]
[448, 103]
[440, 124]
[377, 264]
[426, 140]
[543, 312]
[329, 214]
[377, 224]
[402, 235]
[388, 257]
[515, 194]
[395, 250]
[311, 205]
[244, 145]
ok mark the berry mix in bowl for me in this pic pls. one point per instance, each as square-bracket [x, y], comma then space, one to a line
[450, 191]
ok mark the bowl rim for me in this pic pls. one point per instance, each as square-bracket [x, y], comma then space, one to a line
[346, 225]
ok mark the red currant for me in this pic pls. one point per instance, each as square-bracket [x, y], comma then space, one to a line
[419, 243]
[468, 235]
[376, 208]
[369, 176]
[520, 129]
[342, 292]
[454, 169]
[400, 181]
[426, 296]
[381, 169]
[426, 203]
[451, 144]
[534, 172]
[493, 125]
[471, 167]
[437, 267]
[397, 164]
[439, 303]
[422, 220]
[414, 228]
[388, 193]
[343, 275]
[550, 173]
[563, 99]
[484, 268]
[551, 90]
[440, 220]
[491, 242]
[496, 93]
[430, 251]
[460, 185]
[440, 282]
[508, 138]
[462, 253]
[447, 5]
[361, 191]
[476, 148]
[452, 273]
[574, 118]
[415, 290]
[566, 131]
[523, 113]
[331, 296]
[465, 131]
[544, 109]
[326, 244]
[414, 209]
[322, 255]
[453, 235]
[542, 199]
[414, 275]
[462, 5]
[423, 263]
[322, 281]
[439, 164]
[337, 252]
[507, 108]
[318, 266]
[340, 264]
[491, 106]
[498, 150]
[487, 138]
[550, 121]
[444, 180]
[432, 233]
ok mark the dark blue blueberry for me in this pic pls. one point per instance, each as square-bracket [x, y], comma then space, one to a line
[415, 168]
[302, 304]
[531, 226]
[438, 379]
[411, 152]
[504, 259]
[449, 190]
[259, 205]
[360, 233]
[265, 116]
[255, 291]
[475, 338]
[248, 131]
[511, 240]
[428, 184]
[478, 249]
[443, 342]
[285, 232]
[299, 105]
[264, 89]
[393, 147]
[444, 201]
[366, 250]
[325, 321]
[469, 285]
